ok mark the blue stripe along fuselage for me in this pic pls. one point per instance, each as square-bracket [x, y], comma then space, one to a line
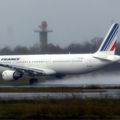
[113, 31]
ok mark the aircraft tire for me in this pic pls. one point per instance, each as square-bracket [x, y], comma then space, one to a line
[33, 81]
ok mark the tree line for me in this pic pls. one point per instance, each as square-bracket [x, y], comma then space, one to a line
[86, 47]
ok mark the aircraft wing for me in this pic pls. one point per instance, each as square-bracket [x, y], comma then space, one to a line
[30, 71]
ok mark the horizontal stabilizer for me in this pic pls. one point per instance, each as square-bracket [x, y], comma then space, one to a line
[112, 58]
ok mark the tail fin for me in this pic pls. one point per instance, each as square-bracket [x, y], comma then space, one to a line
[109, 42]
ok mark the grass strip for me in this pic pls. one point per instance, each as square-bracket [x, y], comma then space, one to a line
[67, 108]
[53, 89]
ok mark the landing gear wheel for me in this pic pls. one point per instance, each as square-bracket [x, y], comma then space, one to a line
[33, 81]
[59, 76]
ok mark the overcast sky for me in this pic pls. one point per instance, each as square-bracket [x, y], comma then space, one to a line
[73, 21]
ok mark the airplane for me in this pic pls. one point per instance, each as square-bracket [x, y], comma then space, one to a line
[14, 67]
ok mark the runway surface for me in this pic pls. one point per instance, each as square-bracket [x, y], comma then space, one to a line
[84, 80]
[110, 93]
[109, 79]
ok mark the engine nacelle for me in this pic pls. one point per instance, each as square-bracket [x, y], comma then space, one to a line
[10, 75]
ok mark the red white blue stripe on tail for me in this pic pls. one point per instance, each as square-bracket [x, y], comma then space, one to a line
[109, 42]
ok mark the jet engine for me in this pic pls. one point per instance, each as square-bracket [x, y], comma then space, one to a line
[10, 75]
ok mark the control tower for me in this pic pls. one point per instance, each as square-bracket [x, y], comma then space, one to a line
[43, 36]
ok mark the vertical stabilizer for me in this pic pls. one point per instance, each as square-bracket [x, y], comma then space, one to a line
[109, 42]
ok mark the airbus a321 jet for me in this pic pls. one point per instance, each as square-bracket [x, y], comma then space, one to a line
[14, 67]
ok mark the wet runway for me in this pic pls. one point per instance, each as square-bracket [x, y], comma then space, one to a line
[84, 80]
[110, 93]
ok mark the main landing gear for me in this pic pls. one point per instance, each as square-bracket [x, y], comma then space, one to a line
[33, 81]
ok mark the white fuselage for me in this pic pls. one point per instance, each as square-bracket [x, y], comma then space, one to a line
[61, 64]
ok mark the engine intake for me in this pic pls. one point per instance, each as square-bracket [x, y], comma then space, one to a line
[10, 75]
